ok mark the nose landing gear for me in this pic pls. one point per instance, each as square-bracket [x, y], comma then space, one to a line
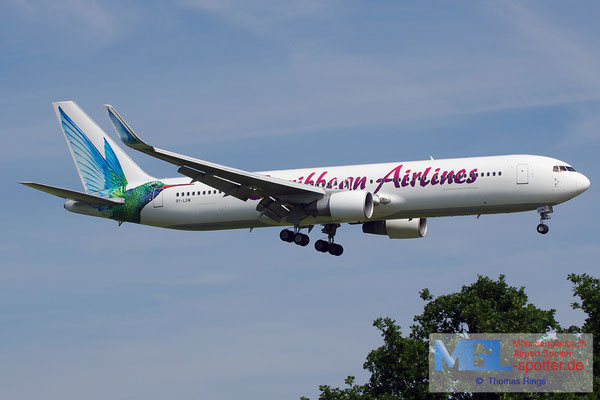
[544, 211]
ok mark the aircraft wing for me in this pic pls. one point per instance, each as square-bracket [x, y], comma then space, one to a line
[74, 195]
[279, 196]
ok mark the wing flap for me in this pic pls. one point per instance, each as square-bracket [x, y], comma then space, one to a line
[74, 195]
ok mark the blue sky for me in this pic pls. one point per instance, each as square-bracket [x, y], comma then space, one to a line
[89, 309]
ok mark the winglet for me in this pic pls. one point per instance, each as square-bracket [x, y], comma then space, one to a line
[124, 130]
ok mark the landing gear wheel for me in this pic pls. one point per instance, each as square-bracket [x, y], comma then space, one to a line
[286, 235]
[322, 246]
[543, 229]
[301, 239]
[335, 249]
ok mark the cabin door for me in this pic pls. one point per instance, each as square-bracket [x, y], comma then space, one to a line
[522, 174]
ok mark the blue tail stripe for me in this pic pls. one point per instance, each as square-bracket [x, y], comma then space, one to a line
[100, 175]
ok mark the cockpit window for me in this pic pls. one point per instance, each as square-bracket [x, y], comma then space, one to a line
[562, 168]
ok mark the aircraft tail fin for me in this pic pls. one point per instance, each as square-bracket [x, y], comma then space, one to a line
[104, 168]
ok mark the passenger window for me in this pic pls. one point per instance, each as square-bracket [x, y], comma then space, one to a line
[177, 194]
[488, 174]
[204, 192]
[500, 173]
[494, 174]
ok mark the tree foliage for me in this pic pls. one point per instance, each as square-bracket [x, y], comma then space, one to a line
[486, 306]
[399, 368]
[588, 291]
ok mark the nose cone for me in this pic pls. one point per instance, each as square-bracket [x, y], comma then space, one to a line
[583, 183]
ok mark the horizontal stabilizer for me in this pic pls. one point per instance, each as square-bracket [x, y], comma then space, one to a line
[74, 195]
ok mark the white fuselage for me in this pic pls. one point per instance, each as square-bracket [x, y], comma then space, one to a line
[431, 188]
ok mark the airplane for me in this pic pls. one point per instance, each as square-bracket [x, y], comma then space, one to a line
[391, 199]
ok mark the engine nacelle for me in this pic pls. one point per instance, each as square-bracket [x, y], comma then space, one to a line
[347, 205]
[398, 228]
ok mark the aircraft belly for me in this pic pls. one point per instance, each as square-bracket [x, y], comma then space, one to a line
[199, 212]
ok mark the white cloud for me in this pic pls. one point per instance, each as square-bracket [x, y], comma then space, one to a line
[326, 86]
[585, 129]
[259, 17]
[80, 18]
[561, 46]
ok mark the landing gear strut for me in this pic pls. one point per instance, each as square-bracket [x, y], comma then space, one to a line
[544, 211]
[328, 246]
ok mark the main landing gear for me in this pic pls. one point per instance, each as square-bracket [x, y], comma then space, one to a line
[544, 211]
[294, 236]
[324, 246]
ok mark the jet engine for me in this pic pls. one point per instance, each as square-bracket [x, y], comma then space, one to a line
[398, 228]
[347, 205]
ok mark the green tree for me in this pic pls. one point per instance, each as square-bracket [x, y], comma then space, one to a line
[588, 291]
[399, 368]
[486, 306]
